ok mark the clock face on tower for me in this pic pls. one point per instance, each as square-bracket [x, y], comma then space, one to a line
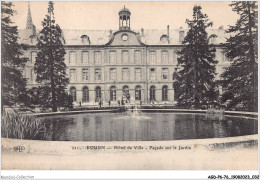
[124, 37]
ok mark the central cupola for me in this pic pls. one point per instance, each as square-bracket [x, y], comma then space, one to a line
[124, 19]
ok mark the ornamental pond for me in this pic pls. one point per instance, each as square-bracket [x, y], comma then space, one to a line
[140, 126]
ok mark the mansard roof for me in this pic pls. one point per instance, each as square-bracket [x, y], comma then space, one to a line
[102, 37]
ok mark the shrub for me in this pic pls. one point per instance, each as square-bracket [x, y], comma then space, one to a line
[22, 126]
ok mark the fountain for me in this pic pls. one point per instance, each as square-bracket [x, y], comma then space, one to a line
[134, 112]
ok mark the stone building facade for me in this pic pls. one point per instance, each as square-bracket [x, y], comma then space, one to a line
[135, 66]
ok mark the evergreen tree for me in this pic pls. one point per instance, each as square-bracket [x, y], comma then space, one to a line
[240, 79]
[13, 86]
[196, 86]
[50, 67]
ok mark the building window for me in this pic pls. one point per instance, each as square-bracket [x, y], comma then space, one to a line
[113, 74]
[97, 74]
[138, 74]
[85, 39]
[112, 57]
[73, 93]
[165, 73]
[113, 93]
[223, 57]
[97, 57]
[73, 76]
[72, 59]
[138, 57]
[165, 57]
[125, 56]
[152, 56]
[85, 74]
[164, 39]
[98, 94]
[32, 75]
[33, 57]
[212, 38]
[138, 93]
[152, 74]
[126, 93]
[165, 93]
[85, 94]
[24, 73]
[125, 74]
[175, 57]
[84, 57]
[152, 93]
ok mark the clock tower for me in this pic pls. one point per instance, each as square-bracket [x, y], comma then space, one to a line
[124, 19]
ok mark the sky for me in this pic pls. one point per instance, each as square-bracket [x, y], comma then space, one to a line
[104, 15]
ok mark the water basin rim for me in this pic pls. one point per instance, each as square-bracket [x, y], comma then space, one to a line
[234, 116]
[230, 113]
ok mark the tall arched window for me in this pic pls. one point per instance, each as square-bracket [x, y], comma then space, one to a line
[113, 93]
[138, 93]
[73, 93]
[98, 93]
[152, 93]
[85, 94]
[165, 93]
[126, 92]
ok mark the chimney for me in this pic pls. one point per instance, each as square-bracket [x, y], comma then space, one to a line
[168, 33]
[181, 35]
[142, 32]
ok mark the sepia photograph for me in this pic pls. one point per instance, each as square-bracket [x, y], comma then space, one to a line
[129, 85]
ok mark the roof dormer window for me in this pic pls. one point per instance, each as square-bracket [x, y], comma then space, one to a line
[85, 39]
[212, 39]
[164, 39]
[33, 39]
